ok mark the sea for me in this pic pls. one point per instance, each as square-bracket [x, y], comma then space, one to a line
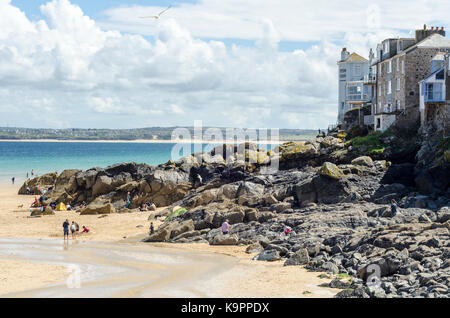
[17, 158]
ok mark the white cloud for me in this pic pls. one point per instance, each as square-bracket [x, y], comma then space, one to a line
[86, 73]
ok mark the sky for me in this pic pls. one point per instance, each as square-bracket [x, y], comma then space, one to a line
[228, 63]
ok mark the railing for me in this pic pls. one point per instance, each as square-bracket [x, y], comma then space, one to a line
[434, 96]
[370, 79]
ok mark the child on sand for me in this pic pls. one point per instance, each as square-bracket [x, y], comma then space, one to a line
[85, 230]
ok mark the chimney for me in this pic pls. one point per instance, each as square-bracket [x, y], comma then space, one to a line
[424, 27]
[344, 54]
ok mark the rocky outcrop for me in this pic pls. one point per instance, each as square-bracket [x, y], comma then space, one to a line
[336, 202]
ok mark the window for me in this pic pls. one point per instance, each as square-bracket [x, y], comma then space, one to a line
[398, 65]
[389, 70]
[357, 69]
[398, 84]
[403, 67]
[379, 89]
[389, 87]
[386, 47]
[397, 104]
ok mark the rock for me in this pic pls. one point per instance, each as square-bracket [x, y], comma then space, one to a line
[363, 161]
[98, 208]
[330, 170]
[183, 227]
[322, 189]
[254, 248]
[330, 268]
[224, 240]
[336, 283]
[301, 257]
[424, 219]
[152, 207]
[268, 255]
[162, 234]
[270, 199]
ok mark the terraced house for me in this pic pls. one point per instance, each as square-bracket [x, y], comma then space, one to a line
[401, 65]
[353, 68]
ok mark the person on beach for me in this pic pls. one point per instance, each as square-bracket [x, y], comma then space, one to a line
[287, 230]
[28, 190]
[13, 179]
[393, 207]
[66, 229]
[27, 175]
[85, 230]
[32, 172]
[73, 229]
[225, 227]
[128, 200]
[152, 228]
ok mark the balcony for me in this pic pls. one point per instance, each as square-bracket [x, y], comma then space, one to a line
[434, 93]
[370, 80]
[434, 97]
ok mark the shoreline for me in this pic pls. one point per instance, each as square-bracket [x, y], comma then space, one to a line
[146, 141]
[247, 278]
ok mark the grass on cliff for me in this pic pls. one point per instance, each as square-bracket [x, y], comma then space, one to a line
[370, 143]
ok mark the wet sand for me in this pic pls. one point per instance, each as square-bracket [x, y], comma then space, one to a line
[113, 263]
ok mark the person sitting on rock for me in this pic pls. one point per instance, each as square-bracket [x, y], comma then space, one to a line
[287, 230]
[394, 207]
[225, 227]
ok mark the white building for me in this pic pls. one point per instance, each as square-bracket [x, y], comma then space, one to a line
[353, 68]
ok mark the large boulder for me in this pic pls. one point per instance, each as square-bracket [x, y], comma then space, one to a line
[330, 170]
[301, 257]
[224, 240]
[183, 227]
[98, 206]
[38, 184]
[320, 189]
[297, 151]
[363, 161]
[66, 181]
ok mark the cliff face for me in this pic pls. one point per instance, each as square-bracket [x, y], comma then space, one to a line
[432, 168]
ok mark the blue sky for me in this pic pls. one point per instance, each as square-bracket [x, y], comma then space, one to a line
[229, 63]
[95, 9]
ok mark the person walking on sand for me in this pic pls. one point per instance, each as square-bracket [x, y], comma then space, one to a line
[225, 227]
[13, 179]
[66, 229]
[152, 228]
[32, 172]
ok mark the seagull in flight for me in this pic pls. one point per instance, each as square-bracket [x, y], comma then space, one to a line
[156, 16]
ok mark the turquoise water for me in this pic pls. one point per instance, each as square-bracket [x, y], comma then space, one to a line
[18, 158]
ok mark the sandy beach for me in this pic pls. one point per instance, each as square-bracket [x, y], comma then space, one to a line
[236, 276]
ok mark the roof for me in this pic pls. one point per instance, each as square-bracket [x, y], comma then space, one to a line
[354, 57]
[435, 72]
[434, 40]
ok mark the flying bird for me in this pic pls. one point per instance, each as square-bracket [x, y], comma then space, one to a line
[156, 16]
